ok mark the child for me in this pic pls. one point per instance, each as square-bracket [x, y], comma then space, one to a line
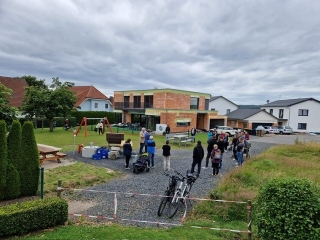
[166, 156]
[215, 159]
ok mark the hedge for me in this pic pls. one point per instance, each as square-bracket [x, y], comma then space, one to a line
[21, 218]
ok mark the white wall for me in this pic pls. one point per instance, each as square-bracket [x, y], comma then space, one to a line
[221, 105]
[262, 117]
[89, 105]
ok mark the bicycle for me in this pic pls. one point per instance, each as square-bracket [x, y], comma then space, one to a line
[176, 196]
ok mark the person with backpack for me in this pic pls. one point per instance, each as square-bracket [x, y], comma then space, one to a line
[198, 154]
[215, 159]
[151, 148]
[211, 142]
[127, 151]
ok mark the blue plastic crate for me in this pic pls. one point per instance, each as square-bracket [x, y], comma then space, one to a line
[96, 156]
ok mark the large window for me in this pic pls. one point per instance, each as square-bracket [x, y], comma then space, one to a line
[302, 126]
[303, 112]
[148, 101]
[280, 113]
[95, 105]
[126, 100]
[137, 101]
[183, 124]
[194, 103]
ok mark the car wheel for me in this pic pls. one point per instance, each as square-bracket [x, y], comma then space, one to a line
[281, 133]
[267, 132]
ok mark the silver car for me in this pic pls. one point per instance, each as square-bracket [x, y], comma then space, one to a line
[271, 129]
[285, 129]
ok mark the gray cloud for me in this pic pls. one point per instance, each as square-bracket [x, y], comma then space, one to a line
[247, 51]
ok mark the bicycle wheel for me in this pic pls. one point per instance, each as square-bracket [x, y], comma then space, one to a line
[174, 205]
[164, 201]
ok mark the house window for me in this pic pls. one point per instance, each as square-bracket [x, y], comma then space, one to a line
[271, 111]
[183, 124]
[194, 103]
[303, 112]
[126, 101]
[228, 111]
[302, 126]
[137, 101]
[106, 105]
[148, 101]
[96, 105]
[280, 113]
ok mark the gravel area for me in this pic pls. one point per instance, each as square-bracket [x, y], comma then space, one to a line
[131, 206]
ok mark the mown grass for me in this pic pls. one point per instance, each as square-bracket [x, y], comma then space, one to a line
[67, 142]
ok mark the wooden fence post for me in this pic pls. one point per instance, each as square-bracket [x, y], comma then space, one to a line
[59, 189]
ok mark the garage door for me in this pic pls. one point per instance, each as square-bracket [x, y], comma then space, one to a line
[216, 122]
[255, 125]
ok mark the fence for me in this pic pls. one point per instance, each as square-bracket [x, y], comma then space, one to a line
[115, 216]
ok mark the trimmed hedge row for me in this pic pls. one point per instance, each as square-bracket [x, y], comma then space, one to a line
[21, 218]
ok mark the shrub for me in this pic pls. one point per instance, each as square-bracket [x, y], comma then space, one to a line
[33, 215]
[29, 176]
[288, 209]
[3, 158]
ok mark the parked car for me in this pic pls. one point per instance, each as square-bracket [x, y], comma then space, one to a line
[285, 129]
[226, 129]
[271, 129]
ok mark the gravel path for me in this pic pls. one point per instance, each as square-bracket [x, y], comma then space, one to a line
[154, 182]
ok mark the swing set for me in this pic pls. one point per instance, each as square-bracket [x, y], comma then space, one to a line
[84, 122]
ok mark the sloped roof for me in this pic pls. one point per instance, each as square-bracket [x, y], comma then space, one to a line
[85, 92]
[245, 113]
[287, 102]
[216, 97]
[17, 86]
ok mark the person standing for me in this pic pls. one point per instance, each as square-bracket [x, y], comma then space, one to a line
[193, 133]
[141, 141]
[240, 149]
[166, 156]
[221, 147]
[146, 138]
[99, 127]
[168, 129]
[127, 151]
[198, 154]
[211, 142]
[215, 159]
[151, 147]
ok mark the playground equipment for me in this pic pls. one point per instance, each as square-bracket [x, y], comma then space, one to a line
[84, 122]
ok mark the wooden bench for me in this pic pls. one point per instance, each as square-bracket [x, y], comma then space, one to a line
[187, 140]
[114, 139]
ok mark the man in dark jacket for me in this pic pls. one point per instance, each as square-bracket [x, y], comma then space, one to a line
[210, 142]
[221, 144]
[198, 154]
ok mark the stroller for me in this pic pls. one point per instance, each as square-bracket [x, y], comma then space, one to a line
[142, 164]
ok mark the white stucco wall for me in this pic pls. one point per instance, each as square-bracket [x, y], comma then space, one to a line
[262, 117]
[89, 105]
[221, 105]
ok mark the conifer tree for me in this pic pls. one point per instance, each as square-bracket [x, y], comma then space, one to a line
[30, 174]
[3, 158]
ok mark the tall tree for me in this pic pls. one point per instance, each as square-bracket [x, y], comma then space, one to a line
[7, 113]
[56, 101]
[30, 175]
[3, 158]
[14, 161]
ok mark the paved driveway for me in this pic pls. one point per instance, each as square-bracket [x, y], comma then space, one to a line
[285, 139]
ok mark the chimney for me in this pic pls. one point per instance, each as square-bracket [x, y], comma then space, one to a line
[267, 101]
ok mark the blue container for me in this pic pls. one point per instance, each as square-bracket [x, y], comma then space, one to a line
[96, 156]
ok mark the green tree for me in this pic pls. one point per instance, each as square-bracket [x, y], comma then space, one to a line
[288, 209]
[3, 158]
[33, 81]
[7, 113]
[56, 101]
[14, 161]
[29, 176]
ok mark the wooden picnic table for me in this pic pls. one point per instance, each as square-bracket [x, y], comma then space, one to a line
[49, 153]
[179, 137]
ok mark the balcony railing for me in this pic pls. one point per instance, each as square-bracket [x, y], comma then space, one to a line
[132, 105]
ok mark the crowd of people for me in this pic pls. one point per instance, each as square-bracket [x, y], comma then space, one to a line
[217, 146]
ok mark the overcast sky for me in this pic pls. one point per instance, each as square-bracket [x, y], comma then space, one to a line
[247, 51]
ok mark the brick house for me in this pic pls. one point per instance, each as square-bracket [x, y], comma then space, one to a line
[179, 109]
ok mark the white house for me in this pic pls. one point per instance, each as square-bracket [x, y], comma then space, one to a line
[222, 105]
[91, 99]
[301, 114]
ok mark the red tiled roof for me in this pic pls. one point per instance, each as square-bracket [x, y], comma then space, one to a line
[84, 92]
[17, 86]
